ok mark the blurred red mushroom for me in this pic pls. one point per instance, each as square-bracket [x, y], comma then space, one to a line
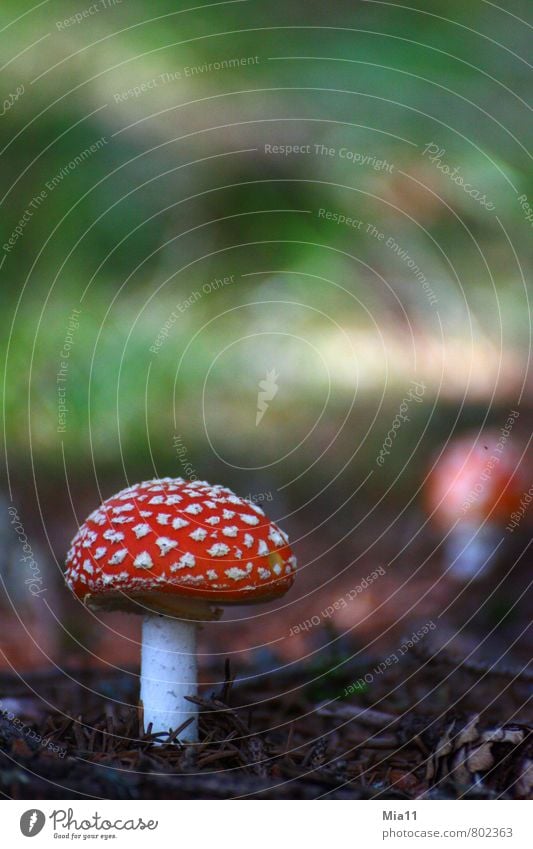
[471, 492]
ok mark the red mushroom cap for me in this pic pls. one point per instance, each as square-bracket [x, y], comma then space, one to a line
[169, 543]
[477, 478]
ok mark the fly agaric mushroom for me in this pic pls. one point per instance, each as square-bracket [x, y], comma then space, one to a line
[172, 550]
[470, 494]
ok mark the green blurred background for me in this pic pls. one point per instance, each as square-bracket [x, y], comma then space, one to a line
[180, 191]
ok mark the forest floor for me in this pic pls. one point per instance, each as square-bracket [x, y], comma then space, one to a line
[417, 732]
[311, 703]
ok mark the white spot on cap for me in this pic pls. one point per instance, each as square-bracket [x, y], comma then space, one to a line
[198, 535]
[230, 531]
[162, 518]
[89, 539]
[277, 569]
[186, 561]
[212, 575]
[157, 499]
[262, 547]
[179, 523]
[275, 536]
[165, 544]
[248, 540]
[88, 566]
[121, 520]
[143, 561]
[211, 504]
[213, 520]
[145, 513]
[256, 508]
[263, 573]
[141, 530]
[124, 508]
[249, 519]
[113, 536]
[100, 551]
[235, 573]
[173, 499]
[98, 517]
[118, 557]
[194, 509]
[228, 514]
[218, 549]
[238, 553]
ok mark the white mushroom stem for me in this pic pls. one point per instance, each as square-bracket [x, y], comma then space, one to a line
[471, 550]
[168, 674]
